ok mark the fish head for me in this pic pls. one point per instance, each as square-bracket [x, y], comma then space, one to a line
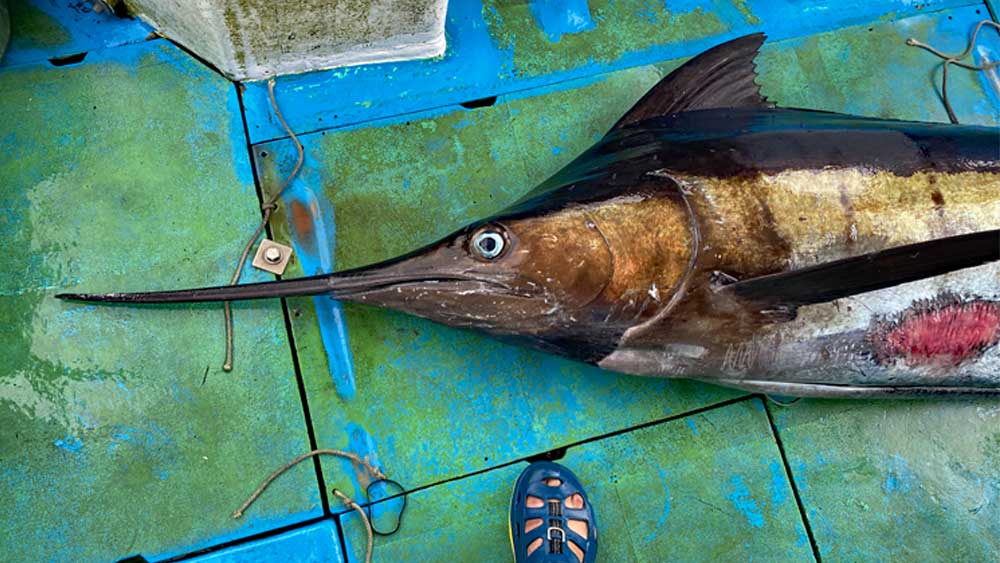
[507, 275]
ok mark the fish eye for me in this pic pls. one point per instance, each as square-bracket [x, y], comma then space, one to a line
[489, 243]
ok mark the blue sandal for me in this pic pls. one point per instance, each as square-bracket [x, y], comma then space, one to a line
[550, 523]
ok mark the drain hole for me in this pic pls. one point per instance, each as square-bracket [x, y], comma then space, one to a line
[480, 103]
[551, 455]
[116, 7]
[68, 59]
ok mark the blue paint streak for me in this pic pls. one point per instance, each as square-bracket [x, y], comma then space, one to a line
[683, 6]
[558, 17]
[691, 425]
[739, 495]
[360, 442]
[899, 478]
[666, 508]
[315, 251]
[779, 486]
[315, 543]
[384, 514]
[69, 443]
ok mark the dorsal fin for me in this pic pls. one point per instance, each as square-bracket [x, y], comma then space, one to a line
[721, 77]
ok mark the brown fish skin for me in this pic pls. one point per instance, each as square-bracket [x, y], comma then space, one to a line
[767, 224]
[558, 275]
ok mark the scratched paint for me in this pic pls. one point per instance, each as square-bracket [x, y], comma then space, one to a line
[497, 48]
[106, 407]
[561, 17]
[659, 494]
[934, 462]
[513, 28]
[311, 221]
[827, 71]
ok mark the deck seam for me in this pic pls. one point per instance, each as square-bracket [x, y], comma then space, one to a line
[338, 516]
[993, 9]
[338, 520]
[262, 535]
[606, 435]
[300, 381]
[791, 481]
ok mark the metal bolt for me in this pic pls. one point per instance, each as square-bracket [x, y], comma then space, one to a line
[272, 255]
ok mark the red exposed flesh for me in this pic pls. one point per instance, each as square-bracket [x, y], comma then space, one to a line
[940, 332]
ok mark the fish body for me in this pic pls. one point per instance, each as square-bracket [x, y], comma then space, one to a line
[773, 191]
[712, 235]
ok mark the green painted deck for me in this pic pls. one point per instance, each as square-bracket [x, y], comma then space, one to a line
[139, 168]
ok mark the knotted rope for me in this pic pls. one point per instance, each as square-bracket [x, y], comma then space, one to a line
[957, 60]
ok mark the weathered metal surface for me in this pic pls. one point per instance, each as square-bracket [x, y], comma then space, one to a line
[256, 39]
[497, 48]
[847, 70]
[121, 433]
[897, 481]
[46, 29]
[315, 543]
[708, 487]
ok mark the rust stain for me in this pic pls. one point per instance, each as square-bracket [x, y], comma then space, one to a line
[301, 219]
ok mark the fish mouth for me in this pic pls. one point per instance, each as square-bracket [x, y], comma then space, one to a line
[359, 290]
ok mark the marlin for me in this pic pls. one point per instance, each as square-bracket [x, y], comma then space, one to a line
[713, 235]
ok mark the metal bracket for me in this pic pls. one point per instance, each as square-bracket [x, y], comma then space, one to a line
[272, 257]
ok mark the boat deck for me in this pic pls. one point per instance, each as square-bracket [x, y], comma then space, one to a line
[127, 164]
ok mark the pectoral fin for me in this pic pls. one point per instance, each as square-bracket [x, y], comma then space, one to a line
[868, 272]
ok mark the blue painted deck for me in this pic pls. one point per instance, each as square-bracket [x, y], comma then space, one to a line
[138, 168]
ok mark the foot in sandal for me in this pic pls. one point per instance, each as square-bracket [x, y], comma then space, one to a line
[551, 519]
